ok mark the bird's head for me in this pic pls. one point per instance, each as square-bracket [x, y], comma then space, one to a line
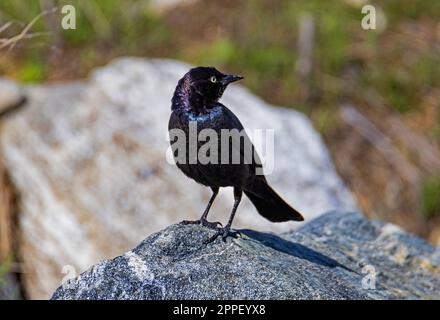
[204, 86]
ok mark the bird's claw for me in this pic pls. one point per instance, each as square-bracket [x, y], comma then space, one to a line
[223, 232]
[212, 225]
[204, 222]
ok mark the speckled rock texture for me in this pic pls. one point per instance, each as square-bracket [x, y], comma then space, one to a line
[336, 256]
[88, 162]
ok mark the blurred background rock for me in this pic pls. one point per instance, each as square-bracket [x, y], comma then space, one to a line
[373, 95]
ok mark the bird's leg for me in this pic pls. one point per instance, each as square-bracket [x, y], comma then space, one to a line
[211, 201]
[224, 232]
[202, 219]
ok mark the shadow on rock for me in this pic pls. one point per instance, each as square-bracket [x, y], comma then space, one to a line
[295, 249]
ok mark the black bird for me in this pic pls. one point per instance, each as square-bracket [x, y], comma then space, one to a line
[196, 99]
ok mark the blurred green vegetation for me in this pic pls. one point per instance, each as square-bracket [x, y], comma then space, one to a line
[104, 28]
[32, 72]
[431, 197]
[260, 43]
[5, 268]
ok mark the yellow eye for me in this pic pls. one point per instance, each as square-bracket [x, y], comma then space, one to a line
[213, 79]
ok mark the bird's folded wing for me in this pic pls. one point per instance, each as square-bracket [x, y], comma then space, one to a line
[246, 149]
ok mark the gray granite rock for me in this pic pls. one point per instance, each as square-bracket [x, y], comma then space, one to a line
[336, 256]
[88, 162]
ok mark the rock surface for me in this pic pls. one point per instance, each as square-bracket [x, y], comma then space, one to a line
[88, 162]
[337, 256]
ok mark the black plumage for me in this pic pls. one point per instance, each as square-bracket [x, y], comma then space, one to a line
[196, 99]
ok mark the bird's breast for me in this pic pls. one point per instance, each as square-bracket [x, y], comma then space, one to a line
[210, 174]
[205, 120]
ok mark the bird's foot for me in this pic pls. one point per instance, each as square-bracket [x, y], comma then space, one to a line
[211, 225]
[204, 222]
[223, 232]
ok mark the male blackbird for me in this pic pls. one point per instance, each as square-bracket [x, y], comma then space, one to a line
[196, 100]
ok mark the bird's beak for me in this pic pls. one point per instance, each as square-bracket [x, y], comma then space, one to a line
[230, 78]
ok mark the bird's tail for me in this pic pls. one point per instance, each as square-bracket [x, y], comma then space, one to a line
[270, 205]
